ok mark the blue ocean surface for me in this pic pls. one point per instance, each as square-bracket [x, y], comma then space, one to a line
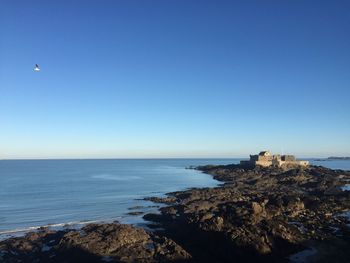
[36, 193]
[332, 163]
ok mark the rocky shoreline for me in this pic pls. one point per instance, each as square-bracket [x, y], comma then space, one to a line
[262, 215]
[111, 242]
[256, 215]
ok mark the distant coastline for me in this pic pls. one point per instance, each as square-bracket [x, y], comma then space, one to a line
[333, 158]
[338, 158]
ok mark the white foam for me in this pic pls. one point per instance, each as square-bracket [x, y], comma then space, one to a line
[32, 228]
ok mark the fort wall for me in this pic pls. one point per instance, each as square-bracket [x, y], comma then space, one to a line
[265, 159]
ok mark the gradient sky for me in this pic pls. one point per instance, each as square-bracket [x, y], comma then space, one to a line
[174, 78]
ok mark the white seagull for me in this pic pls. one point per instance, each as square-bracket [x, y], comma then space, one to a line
[36, 68]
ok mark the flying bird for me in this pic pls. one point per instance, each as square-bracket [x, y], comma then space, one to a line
[36, 68]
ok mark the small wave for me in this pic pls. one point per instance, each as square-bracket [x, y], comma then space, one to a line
[116, 177]
[5, 206]
[32, 228]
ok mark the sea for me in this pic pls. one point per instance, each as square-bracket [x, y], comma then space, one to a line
[71, 193]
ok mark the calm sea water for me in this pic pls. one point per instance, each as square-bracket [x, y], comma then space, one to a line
[333, 164]
[56, 192]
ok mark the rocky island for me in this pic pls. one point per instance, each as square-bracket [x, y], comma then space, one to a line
[272, 213]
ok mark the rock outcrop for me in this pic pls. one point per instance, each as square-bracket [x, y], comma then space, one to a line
[260, 214]
[112, 242]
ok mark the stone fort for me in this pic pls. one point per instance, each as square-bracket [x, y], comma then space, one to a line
[265, 159]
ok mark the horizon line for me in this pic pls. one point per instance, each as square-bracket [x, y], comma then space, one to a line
[141, 158]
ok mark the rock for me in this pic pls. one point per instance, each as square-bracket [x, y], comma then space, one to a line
[257, 208]
[135, 213]
[259, 214]
[163, 200]
[94, 243]
[206, 216]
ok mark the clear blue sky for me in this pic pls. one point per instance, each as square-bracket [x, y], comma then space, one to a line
[174, 78]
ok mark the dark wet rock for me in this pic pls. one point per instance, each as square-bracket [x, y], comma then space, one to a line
[263, 214]
[137, 207]
[163, 200]
[135, 213]
[94, 243]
